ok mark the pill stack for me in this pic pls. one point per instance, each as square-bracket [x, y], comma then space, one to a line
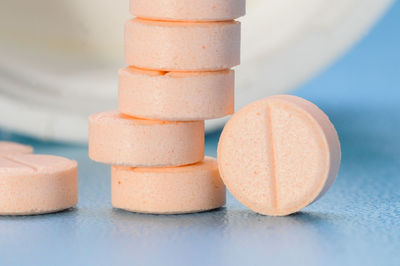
[179, 58]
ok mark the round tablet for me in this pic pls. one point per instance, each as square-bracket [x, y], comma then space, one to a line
[172, 190]
[118, 139]
[182, 46]
[176, 96]
[202, 10]
[36, 184]
[279, 154]
[13, 148]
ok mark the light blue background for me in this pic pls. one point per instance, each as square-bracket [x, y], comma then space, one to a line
[356, 223]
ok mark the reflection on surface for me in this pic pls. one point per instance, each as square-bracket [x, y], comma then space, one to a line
[31, 238]
[221, 233]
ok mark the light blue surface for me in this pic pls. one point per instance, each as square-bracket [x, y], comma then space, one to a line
[356, 223]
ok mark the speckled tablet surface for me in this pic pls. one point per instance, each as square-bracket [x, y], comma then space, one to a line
[187, 46]
[36, 184]
[118, 139]
[279, 154]
[168, 190]
[7, 147]
[176, 96]
[199, 10]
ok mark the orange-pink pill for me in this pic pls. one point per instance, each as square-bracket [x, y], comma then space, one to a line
[182, 46]
[169, 190]
[200, 10]
[14, 148]
[118, 139]
[279, 154]
[36, 184]
[176, 96]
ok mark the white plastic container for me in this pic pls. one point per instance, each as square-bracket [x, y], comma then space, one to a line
[59, 59]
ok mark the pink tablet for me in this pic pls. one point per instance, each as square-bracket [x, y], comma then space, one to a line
[279, 154]
[169, 190]
[13, 148]
[118, 139]
[176, 96]
[36, 184]
[177, 46]
[198, 10]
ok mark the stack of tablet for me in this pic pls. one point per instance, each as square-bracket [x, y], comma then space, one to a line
[179, 56]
